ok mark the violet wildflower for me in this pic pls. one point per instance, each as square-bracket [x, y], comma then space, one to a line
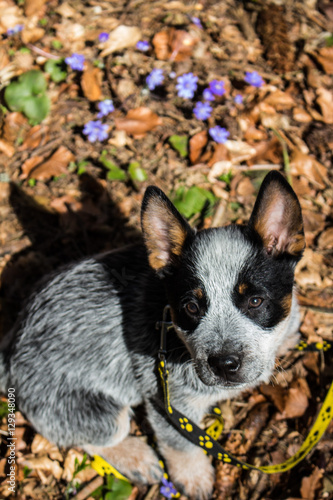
[202, 110]
[105, 107]
[15, 30]
[96, 131]
[208, 95]
[168, 489]
[75, 61]
[238, 99]
[219, 134]
[253, 78]
[143, 45]
[217, 87]
[197, 22]
[187, 85]
[172, 74]
[103, 37]
[155, 78]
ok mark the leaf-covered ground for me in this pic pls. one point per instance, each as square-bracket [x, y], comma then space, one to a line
[63, 197]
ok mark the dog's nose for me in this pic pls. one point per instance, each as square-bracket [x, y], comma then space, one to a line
[225, 366]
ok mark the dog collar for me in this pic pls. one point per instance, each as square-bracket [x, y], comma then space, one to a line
[207, 439]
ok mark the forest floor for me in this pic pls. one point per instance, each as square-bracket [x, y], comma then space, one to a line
[65, 194]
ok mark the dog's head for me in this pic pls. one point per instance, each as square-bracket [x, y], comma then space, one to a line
[230, 289]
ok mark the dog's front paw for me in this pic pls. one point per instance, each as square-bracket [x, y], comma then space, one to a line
[191, 472]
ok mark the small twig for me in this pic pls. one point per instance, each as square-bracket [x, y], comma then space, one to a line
[285, 155]
[42, 52]
[87, 490]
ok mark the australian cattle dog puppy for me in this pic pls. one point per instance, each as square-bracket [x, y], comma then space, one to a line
[83, 352]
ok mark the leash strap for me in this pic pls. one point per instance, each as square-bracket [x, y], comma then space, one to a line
[207, 440]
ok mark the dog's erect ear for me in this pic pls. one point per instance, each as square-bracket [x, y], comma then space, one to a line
[164, 229]
[277, 217]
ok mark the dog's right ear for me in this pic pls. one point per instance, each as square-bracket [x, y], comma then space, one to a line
[164, 229]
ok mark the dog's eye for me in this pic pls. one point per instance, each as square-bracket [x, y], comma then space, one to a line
[255, 302]
[192, 308]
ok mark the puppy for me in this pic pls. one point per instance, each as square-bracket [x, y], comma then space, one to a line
[84, 350]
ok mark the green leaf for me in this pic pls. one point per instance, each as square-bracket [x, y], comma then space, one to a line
[54, 69]
[193, 200]
[33, 80]
[137, 173]
[56, 44]
[121, 490]
[15, 95]
[179, 143]
[36, 108]
[114, 172]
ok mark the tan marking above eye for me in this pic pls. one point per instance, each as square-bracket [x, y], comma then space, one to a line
[242, 288]
[198, 292]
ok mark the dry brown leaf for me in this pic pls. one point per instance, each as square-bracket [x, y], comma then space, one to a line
[40, 445]
[240, 151]
[15, 124]
[44, 464]
[244, 189]
[325, 58]
[29, 165]
[280, 100]
[37, 136]
[196, 145]
[325, 241]
[325, 101]
[176, 45]
[56, 165]
[120, 38]
[4, 59]
[300, 115]
[32, 35]
[296, 401]
[276, 394]
[69, 467]
[61, 204]
[303, 164]
[138, 122]
[311, 484]
[91, 82]
[32, 7]
[7, 148]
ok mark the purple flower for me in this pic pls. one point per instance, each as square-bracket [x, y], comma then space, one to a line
[253, 78]
[167, 489]
[155, 78]
[238, 99]
[172, 74]
[202, 110]
[187, 85]
[103, 37]
[219, 134]
[217, 87]
[96, 131]
[197, 22]
[15, 30]
[75, 61]
[143, 45]
[208, 95]
[105, 107]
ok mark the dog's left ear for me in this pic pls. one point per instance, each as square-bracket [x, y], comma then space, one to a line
[164, 229]
[277, 217]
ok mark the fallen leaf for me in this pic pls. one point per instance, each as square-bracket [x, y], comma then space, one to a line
[300, 115]
[32, 35]
[325, 101]
[303, 164]
[14, 126]
[37, 136]
[29, 165]
[32, 7]
[325, 241]
[44, 464]
[240, 151]
[220, 154]
[6, 148]
[244, 189]
[325, 58]
[161, 45]
[280, 100]
[91, 82]
[296, 401]
[61, 204]
[121, 38]
[4, 59]
[311, 484]
[55, 165]
[173, 44]
[138, 122]
[196, 145]
[69, 467]
[40, 445]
